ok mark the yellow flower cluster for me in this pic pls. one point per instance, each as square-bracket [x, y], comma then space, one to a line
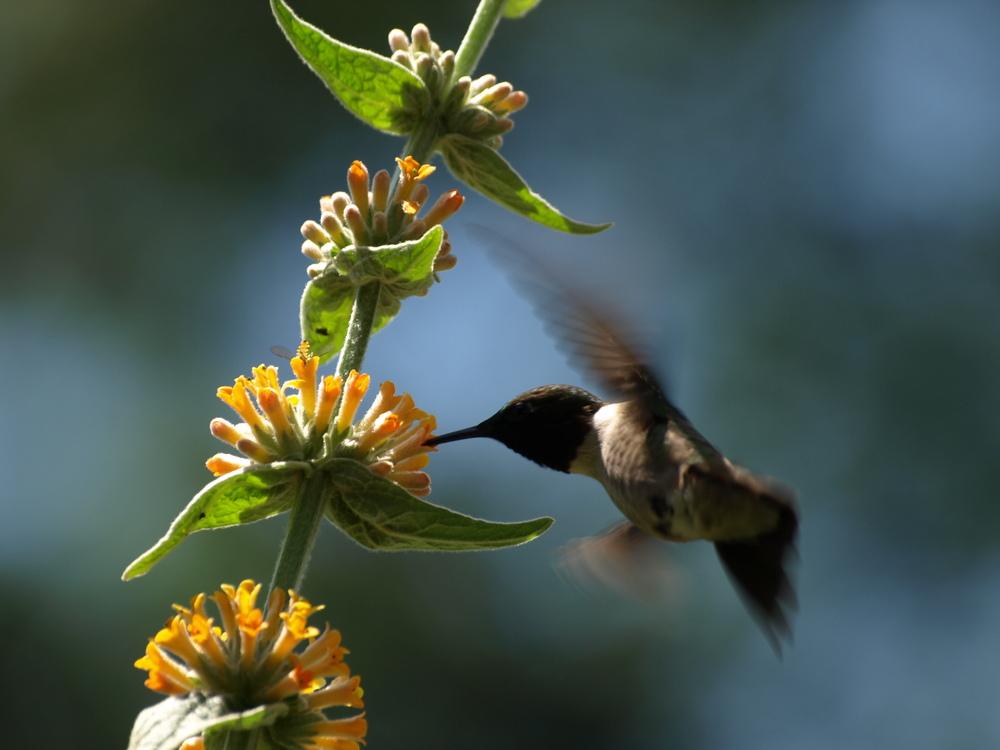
[300, 420]
[371, 214]
[250, 659]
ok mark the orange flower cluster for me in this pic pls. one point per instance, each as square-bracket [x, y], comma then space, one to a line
[250, 658]
[301, 420]
[370, 214]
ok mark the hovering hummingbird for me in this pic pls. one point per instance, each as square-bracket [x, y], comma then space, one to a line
[669, 482]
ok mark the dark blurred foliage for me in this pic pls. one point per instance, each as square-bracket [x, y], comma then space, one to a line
[806, 197]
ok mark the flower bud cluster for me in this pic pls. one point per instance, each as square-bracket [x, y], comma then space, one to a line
[370, 214]
[478, 108]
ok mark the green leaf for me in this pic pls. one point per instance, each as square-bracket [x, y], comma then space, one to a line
[380, 515]
[244, 496]
[483, 169]
[519, 8]
[403, 270]
[167, 724]
[373, 88]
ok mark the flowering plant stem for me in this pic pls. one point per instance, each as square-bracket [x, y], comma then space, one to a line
[303, 526]
[305, 518]
[477, 37]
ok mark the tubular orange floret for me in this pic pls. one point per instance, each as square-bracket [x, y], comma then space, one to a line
[305, 366]
[225, 431]
[384, 401]
[352, 728]
[270, 401]
[223, 463]
[255, 450]
[167, 676]
[445, 207]
[354, 390]
[383, 426]
[235, 397]
[357, 182]
[411, 480]
[413, 463]
[343, 691]
[329, 394]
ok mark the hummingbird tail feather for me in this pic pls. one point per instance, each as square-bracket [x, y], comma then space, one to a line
[757, 568]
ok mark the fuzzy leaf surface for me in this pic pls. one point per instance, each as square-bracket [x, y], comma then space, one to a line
[484, 170]
[244, 496]
[380, 515]
[376, 90]
[167, 724]
[403, 270]
[519, 8]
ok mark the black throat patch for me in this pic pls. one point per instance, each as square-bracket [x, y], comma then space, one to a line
[546, 425]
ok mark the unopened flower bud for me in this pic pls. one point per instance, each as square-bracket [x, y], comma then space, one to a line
[502, 125]
[380, 189]
[457, 96]
[479, 120]
[398, 40]
[335, 229]
[424, 63]
[254, 450]
[421, 37]
[419, 194]
[339, 202]
[445, 264]
[380, 226]
[416, 229]
[356, 224]
[515, 102]
[225, 431]
[493, 94]
[311, 250]
[482, 83]
[314, 232]
[403, 58]
[447, 63]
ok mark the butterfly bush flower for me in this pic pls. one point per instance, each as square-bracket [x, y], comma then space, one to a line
[371, 214]
[478, 108]
[251, 657]
[312, 418]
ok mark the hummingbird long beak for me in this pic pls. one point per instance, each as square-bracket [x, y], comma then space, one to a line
[450, 437]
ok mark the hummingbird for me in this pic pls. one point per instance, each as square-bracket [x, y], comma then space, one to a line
[665, 477]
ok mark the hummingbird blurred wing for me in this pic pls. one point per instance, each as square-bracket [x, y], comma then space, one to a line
[593, 339]
[625, 559]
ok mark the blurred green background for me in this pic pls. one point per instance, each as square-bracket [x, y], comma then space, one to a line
[806, 201]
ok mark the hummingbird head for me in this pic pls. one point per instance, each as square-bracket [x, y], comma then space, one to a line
[547, 424]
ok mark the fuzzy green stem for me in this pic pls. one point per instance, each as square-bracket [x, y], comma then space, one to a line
[303, 525]
[477, 37]
[359, 329]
